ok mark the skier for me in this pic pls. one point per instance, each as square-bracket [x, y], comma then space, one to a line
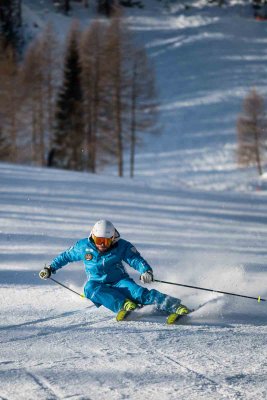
[108, 283]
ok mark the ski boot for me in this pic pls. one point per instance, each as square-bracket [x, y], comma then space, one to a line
[181, 310]
[127, 307]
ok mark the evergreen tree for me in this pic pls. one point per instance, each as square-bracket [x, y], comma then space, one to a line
[69, 128]
[106, 7]
[10, 22]
[63, 5]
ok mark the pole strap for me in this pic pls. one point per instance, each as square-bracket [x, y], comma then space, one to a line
[259, 298]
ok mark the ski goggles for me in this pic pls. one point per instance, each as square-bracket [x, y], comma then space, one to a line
[101, 240]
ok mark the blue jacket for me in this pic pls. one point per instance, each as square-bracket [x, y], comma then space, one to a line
[106, 267]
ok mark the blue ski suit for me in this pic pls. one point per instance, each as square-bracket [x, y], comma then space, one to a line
[108, 283]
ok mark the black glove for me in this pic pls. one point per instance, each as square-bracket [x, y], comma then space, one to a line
[45, 273]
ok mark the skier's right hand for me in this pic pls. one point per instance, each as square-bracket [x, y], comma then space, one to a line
[147, 277]
[45, 273]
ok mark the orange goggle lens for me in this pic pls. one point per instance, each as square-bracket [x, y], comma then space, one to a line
[105, 241]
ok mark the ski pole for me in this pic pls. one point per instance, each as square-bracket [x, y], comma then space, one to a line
[212, 290]
[66, 287]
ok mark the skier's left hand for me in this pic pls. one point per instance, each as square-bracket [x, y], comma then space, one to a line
[147, 277]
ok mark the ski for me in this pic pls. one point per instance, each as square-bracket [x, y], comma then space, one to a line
[171, 318]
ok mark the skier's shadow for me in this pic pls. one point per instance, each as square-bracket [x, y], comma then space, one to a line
[30, 277]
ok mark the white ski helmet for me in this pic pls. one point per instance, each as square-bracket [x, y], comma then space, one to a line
[103, 229]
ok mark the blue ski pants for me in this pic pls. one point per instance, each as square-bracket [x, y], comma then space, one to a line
[113, 296]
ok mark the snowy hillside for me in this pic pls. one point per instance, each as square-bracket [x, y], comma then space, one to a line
[206, 59]
[55, 345]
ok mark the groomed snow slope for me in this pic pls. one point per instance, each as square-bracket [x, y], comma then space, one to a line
[55, 345]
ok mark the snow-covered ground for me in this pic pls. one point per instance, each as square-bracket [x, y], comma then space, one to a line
[55, 345]
[196, 217]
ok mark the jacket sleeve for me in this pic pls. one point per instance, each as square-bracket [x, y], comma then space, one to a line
[74, 253]
[135, 260]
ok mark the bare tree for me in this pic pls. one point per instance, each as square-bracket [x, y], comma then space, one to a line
[5, 147]
[34, 104]
[251, 131]
[49, 48]
[10, 99]
[92, 60]
[40, 70]
[130, 97]
[143, 101]
[116, 74]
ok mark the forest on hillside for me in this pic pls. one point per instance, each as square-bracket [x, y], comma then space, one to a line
[79, 107]
[87, 103]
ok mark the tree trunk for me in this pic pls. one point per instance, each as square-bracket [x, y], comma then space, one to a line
[257, 150]
[133, 122]
[119, 135]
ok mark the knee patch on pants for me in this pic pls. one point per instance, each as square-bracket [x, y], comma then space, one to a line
[90, 289]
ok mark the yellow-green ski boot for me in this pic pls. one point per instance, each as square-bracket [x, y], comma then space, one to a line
[181, 310]
[128, 306]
